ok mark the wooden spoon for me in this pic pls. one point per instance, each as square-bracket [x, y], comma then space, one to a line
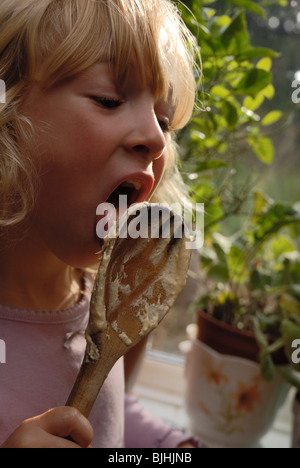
[137, 283]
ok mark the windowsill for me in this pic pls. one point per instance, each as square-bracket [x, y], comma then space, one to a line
[160, 388]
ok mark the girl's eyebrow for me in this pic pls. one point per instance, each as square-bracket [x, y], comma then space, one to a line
[93, 74]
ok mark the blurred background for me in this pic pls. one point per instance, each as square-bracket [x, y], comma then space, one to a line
[245, 138]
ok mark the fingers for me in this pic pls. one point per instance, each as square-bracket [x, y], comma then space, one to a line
[62, 427]
[66, 422]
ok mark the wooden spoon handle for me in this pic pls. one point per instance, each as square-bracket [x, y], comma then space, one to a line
[84, 392]
[93, 373]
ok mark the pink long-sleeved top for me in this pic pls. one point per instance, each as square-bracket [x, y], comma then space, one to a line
[44, 351]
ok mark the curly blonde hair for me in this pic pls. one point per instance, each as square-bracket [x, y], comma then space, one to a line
[46, 41]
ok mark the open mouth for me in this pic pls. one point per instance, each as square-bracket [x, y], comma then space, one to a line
[127, 193]
[131, 189]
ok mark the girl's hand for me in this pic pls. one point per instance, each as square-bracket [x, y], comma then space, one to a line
[62, 427]
[186, 445]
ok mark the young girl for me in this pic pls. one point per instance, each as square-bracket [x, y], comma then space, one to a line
[95, 90]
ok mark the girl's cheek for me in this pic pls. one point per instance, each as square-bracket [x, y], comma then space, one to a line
[159, 166]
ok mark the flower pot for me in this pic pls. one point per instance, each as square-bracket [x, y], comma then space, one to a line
[228, 403]
[227, 339]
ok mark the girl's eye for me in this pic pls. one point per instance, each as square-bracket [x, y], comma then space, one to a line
[164, 125]
[107, 103]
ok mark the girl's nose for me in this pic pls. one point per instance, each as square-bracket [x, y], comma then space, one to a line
[145, 137]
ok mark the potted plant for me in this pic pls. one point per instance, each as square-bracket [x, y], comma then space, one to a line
[248, 328]
[252, 272]
[253, 281]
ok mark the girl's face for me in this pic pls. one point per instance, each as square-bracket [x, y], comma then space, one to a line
[88, 140]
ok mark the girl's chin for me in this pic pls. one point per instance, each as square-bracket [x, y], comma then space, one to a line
[82, 258]
[92, 258]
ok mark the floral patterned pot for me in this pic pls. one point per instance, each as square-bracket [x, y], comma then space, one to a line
[228, 403]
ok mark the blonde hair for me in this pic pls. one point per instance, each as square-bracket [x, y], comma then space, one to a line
[47, 41]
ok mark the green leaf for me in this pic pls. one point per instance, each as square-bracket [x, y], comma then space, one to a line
[222, 21]
[264, 64]
[263, 148]
[254, 103]
[219, 91]
[281, 245]
[203, 32]
[259, 206]
[195, 135]
[210, 142]
[209, 12]
[250, 6]
[251, 53]
[258, 280]
[277, 216]
[254, 81]
[295, 271]
[235, 36]
[267, 368]
[269, 92]
[267, 3]
[219, 273]
[271, 118]
[204, 2]
[291, 305]
[268, 322]
[212, 164]
[230, 113]
[259, 334]
[201, 192]
[237, 264]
